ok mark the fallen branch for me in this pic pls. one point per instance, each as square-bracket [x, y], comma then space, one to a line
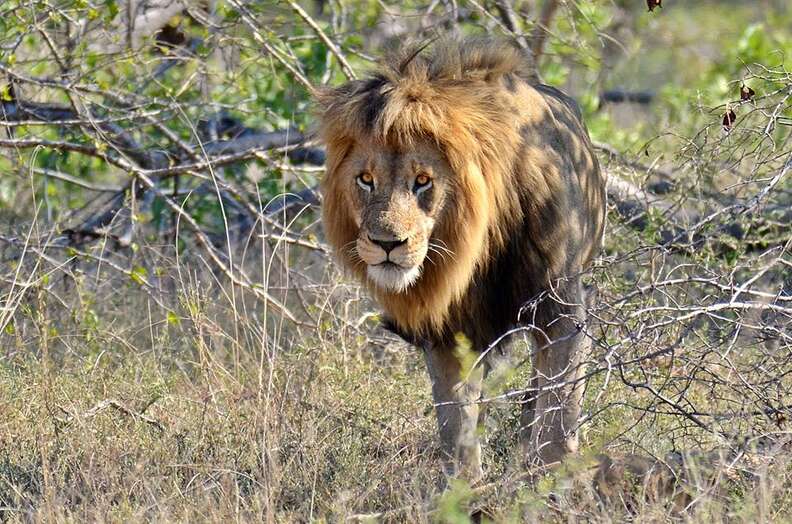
[114, 134]
[619, 96]
[242, 145]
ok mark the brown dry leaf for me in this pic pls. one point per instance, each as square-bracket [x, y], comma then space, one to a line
[728, 119]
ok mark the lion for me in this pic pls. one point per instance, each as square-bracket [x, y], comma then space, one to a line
[459, 191]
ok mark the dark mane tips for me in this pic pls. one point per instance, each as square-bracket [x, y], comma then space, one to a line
[423, 90]
[458, 59]
[409, 54]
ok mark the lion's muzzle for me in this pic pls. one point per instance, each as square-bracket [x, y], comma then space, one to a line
[387, 245]
[393, 263]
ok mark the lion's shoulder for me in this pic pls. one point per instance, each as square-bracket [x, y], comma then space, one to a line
[556, 96]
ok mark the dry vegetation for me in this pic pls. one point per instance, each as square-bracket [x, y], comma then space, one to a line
[176, 347]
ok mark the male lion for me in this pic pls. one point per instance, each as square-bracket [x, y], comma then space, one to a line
[458, 191]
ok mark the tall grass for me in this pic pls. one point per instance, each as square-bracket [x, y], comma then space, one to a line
[162, 394]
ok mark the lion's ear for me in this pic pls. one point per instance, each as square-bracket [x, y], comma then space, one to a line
[327, 102]
[328, 97]
[328, 110]
[324, 96]
[335, 110]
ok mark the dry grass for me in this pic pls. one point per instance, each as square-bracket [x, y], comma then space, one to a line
[212, 422]
[187, 402]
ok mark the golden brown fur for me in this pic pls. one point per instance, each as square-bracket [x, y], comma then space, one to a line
[516, 207]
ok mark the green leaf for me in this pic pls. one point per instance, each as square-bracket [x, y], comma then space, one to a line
[138, 275]
[173, 319]
[112, 10]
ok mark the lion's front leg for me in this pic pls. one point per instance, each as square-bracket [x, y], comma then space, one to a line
[457, 412]
[549, 420]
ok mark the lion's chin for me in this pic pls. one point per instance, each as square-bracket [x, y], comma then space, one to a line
[392, 277]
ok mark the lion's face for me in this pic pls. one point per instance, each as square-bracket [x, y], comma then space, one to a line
[396, 198]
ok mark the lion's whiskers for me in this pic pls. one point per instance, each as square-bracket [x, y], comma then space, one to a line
[441, 250]
[349, 245]
[350, 250]
[434, 250]
[441, 245]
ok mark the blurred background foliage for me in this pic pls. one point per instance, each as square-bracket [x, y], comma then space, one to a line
[203, 60]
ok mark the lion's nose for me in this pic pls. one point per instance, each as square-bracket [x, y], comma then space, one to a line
[388, 245]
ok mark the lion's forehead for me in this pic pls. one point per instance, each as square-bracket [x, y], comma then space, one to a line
[397, 162]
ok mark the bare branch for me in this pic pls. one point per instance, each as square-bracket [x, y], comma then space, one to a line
[345, 67]
[542, 28]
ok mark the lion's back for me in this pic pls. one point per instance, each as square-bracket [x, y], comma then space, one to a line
[557, 175]
[559, 209]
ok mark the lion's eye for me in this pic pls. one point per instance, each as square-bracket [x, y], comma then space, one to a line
[422, 183]
[366, 181]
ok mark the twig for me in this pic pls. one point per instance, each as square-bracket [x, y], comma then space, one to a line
[542, 28]
[118, 406]
[76, 181]
[250, 22]
[509, 19]
[229, 271]
[345, 67]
